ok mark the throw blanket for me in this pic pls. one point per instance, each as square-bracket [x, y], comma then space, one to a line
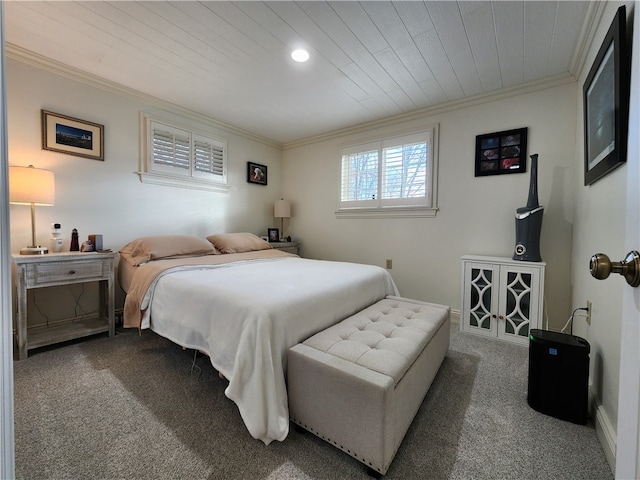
[137, 299]
[247, 314]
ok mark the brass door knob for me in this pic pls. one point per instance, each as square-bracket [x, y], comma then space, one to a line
[601, 266]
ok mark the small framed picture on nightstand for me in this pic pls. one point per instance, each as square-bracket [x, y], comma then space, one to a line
[274, 234]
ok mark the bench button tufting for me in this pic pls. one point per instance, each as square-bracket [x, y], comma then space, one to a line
[394, 333]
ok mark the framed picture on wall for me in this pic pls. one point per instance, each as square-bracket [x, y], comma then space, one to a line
[606, 104]
[72, 136]
[256, 173]
[501, 152]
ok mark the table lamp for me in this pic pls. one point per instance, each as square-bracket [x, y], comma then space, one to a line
[32, 186]
[282, 210]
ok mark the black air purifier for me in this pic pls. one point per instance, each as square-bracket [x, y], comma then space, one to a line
[559, 375]
[529, 221]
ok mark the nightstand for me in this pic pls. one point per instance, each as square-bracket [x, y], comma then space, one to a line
[40, 271]
[289, 247]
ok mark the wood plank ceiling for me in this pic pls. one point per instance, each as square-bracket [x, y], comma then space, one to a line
[369, 59]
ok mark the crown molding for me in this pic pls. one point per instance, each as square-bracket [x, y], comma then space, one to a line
[28, 57]
[593, 17]
[20, 54]
[504, 93]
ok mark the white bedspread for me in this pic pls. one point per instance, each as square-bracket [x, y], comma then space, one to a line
[247, 315]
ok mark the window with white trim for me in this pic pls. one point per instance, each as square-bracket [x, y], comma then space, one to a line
[390, 177]
[180, 157]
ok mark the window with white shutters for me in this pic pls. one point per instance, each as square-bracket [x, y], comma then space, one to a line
[208, 158]
[180, 157]
[170, 149]
[390, 177]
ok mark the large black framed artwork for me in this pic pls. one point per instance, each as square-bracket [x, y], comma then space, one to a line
[501, 152]
[606, 104]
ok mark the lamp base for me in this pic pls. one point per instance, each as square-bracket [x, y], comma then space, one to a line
[34, 250]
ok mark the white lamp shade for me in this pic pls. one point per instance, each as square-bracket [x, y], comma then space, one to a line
[30, 185]
[282, 209]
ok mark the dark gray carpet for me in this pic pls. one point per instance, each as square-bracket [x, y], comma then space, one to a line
[131, 407]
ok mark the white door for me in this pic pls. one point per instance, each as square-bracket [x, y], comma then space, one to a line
[627, 445]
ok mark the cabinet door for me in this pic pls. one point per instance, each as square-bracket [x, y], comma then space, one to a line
[480, 298]
[518, 304]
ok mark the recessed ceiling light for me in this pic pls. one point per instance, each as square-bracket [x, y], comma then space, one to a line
[300, 55]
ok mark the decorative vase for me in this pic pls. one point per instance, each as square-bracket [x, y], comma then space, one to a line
[529, 221]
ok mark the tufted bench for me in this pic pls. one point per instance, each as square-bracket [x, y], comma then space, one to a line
[359, 383]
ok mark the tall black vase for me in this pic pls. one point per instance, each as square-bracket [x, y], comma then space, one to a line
[529, 221]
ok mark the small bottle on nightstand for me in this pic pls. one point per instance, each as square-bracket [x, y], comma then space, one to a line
[56, 241]
[75, 245]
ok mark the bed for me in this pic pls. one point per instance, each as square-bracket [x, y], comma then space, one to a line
[244, 304]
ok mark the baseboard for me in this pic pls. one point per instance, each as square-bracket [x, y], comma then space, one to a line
[605, 430]
[454, 316]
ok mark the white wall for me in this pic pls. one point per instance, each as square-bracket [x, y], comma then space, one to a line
[600, 227]
[476, 214]
[107, 197]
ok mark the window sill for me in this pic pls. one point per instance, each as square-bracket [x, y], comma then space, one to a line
[388, 212]
[187, 182]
